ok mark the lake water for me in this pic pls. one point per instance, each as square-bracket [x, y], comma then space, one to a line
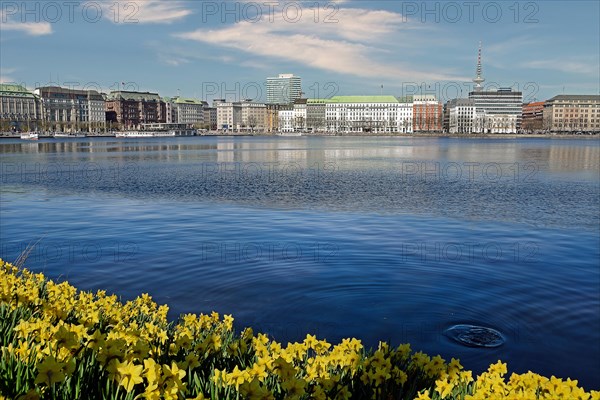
[393, 239]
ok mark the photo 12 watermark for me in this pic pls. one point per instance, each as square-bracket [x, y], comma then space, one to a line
[244, 252]
[75, 252]
[125, 12]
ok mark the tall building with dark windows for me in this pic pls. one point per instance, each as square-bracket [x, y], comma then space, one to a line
[496, 111]
[284, 89]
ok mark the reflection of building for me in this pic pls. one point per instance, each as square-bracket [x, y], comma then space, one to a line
[130, 109]
[427, 114]
[533, 117]
[283, 89]
[572, 113]
[361, 114]
[19, 108]
[72, 110]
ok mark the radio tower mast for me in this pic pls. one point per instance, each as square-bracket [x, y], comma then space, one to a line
[478, 79]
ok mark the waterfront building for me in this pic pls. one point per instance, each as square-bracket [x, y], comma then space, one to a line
[253, 117]
[19, 109]
[532, 119]
[272, 116]
[284, 89]
[240, 116]
[427, 113]
[131, 109]
[498, 111]
[185, 111]
[460, 116]
[210, 118]
[369, 114]
[72, 110]
[572, 113]
[286, 120]
[229, 115]
[316, 115]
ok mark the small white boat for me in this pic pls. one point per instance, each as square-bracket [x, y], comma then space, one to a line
[29, 136]
[69, 135]
[289, 133]
[146, 134]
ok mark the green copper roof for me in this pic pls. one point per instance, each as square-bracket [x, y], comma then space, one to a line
[364, 99]
[135, 96]
[179, 100]
[14, 90]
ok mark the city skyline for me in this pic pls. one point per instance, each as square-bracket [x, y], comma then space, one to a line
[209, 50]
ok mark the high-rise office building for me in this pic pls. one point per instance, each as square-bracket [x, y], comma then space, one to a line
[284, 89]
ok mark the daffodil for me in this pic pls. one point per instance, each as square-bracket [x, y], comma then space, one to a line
[129, 375]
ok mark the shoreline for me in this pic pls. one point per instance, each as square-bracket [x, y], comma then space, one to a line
[402, 135]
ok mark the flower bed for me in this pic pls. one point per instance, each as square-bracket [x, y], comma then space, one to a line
[60, 343]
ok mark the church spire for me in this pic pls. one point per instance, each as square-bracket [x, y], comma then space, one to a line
[478, 79]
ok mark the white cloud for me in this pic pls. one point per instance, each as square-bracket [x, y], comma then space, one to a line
[349, 46]
[562, 65]
[30, 28]
[144, 11]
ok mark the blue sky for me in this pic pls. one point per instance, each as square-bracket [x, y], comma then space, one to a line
[213, 49]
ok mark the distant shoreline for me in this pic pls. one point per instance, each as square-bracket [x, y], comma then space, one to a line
[403, 135]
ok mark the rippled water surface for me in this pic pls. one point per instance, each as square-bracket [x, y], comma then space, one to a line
[396, 239]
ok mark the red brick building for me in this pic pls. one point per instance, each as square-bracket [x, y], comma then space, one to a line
[533, 117]
[131, 109]
[427, 114]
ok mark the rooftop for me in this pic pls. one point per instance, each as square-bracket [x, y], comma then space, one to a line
[364, 99]
[576, 97]
[7, 89]
[135, 96]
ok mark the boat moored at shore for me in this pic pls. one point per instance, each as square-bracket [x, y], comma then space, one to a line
[29, 136]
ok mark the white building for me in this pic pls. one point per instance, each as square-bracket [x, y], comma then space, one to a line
[241, 116]
[286, 120]
[72, 110]
[284, 89]
[500, 110]
[461, 116]
[185, 111]
[377, 114]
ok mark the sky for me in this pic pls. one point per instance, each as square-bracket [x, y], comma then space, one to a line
[227, 49]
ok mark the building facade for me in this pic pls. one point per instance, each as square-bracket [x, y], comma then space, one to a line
[19, 109]
[364, 114]
[461, 116]
[284, 89]
[253, 116]
[131, 109]
[532, 118]
[316, 115]
[427, 114]
[499, 111]
[272, 116]
[185, 111]
[72, 110]
[572, 113]
[210, 118]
